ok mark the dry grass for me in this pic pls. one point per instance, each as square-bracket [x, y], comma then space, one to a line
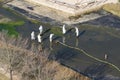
[68, 74]
[1, 0]
[35, 63]
[113, 8]
[63, 73]
[3, 77]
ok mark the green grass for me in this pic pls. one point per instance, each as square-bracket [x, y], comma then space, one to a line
[56, 31]
[3, 77]
[34, 21]
[10, 27]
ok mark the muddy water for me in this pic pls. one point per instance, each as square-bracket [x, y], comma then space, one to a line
[95, 41]
[108, 20]
[96, 44]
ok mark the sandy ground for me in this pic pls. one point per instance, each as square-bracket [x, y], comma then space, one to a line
[72, 7]
[39, 9]
[52, 13]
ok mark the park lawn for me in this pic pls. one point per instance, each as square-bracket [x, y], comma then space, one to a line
[113, 8]
[10, 27]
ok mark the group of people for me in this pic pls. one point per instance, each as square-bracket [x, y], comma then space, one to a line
[39, 37]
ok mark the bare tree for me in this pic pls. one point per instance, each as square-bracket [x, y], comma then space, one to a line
[15, 52]
[10, 54]
[35, 64]
[31, 61]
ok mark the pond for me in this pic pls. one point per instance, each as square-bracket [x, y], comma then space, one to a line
[95, 40]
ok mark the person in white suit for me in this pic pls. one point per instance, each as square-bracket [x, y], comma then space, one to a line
[51, 37]
[39, 38]
[32, 35]
[41, 29]
[63, 29]
[76, 31]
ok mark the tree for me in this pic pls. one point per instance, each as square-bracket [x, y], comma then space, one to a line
[11, 55]
[31, 61]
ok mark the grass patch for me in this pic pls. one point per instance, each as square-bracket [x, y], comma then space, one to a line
[10, 27]
[113, 8]
[34, 21]
[56, 31]
[3, 77]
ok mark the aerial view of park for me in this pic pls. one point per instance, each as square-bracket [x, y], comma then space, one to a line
[59, 39]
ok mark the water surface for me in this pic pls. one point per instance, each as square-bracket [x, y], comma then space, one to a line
[95, 40]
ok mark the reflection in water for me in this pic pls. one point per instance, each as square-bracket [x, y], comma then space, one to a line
[63, 39]
[40, 47]
[105, 56]
[51, 48]
[77, 42]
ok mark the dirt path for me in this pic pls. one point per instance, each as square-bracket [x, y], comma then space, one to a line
[39, 10]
